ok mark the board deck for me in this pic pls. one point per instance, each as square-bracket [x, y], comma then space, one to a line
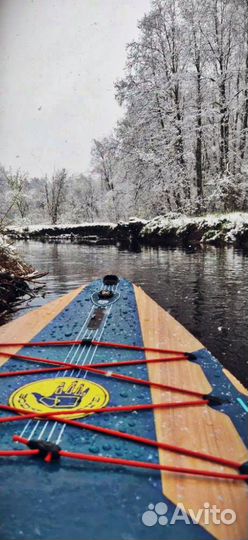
[81, 500]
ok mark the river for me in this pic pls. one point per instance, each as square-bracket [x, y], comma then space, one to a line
[205, 289]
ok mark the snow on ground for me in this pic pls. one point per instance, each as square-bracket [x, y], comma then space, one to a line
[173, 228]
[210, 228]
[55, 228]
[178, 221]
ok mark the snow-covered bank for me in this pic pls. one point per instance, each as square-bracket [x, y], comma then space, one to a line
[82, 233]
[170, 230]
[15, 279]
[218, 230]
[87, 232]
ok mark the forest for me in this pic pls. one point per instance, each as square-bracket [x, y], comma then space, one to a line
[181, 143]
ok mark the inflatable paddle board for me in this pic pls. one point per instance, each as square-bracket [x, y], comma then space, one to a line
[116, 423]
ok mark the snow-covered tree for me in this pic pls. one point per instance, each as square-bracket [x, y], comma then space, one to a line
[55, 191]
[14, 195]
[183, 137]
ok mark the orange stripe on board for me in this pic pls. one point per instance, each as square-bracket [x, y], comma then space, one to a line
[28, 326]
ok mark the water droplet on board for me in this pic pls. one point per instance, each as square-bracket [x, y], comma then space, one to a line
[106, 446]
[94, 449]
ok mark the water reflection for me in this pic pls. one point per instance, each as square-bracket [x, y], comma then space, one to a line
[205, 289]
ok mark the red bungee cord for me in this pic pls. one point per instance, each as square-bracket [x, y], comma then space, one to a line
[83, 342]
[75, 366]
[23, 415]
[60, 417]
[131, 463]
[109, 374]
[17, 453]
[119, 434]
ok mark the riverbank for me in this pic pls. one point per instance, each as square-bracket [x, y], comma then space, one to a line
[170, 230]
[16, 280]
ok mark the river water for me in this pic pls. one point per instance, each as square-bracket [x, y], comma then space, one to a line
[205, 289]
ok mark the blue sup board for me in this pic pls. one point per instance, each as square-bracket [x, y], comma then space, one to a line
[171, 463]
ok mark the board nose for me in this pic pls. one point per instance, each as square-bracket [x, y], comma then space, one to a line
[110, 279]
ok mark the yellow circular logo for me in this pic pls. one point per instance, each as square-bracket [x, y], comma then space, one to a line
[58, 395]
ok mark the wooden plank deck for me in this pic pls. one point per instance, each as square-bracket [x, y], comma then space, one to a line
[27, 327]
[197, 428]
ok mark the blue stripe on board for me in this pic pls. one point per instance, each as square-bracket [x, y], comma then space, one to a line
[243, 404]
[223, 387]
[78, 500]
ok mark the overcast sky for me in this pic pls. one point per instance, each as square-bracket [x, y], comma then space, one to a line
[58, 62]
